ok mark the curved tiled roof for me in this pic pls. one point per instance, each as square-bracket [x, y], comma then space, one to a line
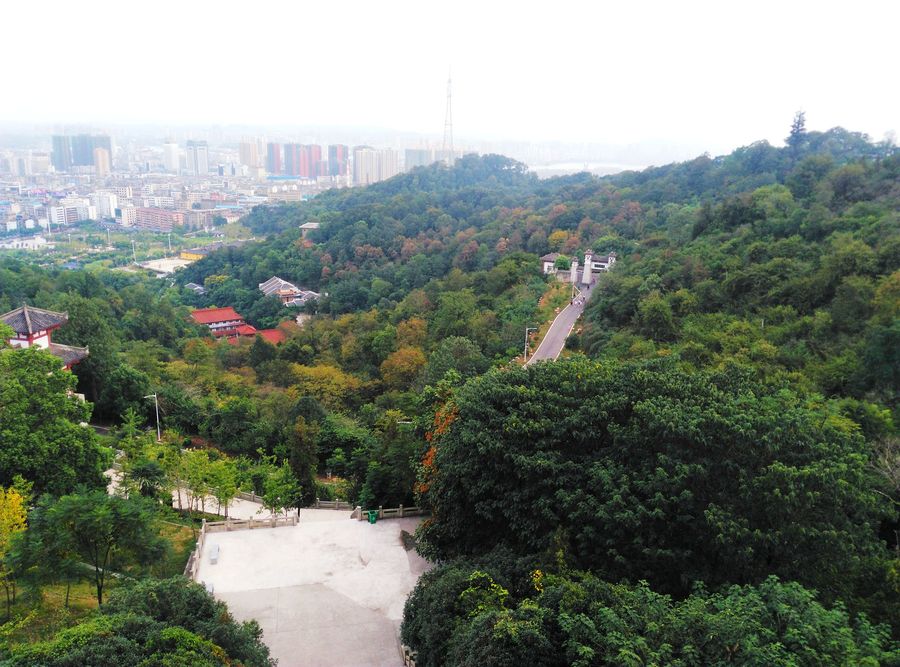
[69, 354]
[30, 320]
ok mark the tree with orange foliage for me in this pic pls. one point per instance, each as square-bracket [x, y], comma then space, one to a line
[402, 367]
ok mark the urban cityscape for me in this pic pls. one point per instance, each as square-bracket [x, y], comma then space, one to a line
[92, 177]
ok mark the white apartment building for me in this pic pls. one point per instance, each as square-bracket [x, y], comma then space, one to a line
[371, 165]
[159, 202]
[197, 158]
[172, 158]
[106, 204]
[67, 214]
[126, 216]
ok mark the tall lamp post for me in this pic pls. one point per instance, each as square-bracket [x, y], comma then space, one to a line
[527, 329]
[156, 403]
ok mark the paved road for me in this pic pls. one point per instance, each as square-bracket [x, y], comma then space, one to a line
[555, 340]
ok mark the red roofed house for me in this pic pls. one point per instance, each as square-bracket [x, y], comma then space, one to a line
[221, 321]
[274, 336]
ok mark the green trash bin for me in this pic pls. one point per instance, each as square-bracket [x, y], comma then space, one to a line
[373, 516]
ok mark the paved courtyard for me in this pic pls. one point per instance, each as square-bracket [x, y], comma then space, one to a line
[328, 592]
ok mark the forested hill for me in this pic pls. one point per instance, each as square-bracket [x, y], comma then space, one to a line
[781, 257]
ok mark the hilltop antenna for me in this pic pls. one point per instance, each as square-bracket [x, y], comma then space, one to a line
[447, 148]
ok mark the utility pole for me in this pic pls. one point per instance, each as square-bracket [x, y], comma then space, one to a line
[527, 329]
[170, 244]
[156, 402]
[447, 147]
[133, 253]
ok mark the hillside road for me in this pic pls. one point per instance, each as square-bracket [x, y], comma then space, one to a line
[555, 340]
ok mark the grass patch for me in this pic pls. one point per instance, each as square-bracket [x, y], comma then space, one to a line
[37, 615]
[181, 542]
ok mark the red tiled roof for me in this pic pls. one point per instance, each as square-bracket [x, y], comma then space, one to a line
[213, 315]
[246, 330]
[274, 336]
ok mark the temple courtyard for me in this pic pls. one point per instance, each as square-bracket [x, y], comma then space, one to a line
[327, 592]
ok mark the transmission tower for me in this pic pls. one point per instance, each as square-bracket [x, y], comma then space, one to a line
[447, 148]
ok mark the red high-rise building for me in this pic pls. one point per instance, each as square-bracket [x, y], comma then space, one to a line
[273, 158]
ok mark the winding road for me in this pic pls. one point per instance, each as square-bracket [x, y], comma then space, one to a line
[555, 340]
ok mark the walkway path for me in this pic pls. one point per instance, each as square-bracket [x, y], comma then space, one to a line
[555, 339]
[237, 508]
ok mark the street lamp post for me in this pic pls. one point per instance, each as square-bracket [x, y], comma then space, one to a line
[527, 329]
[156, 403]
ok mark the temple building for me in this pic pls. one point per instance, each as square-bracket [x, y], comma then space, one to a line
[288, 293]
[589, 272]
[229, 324]
[33, 327]
[221, 321]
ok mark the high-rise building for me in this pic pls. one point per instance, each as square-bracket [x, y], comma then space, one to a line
[316, 164]
[106, 204]
[101, 161]
[418, 157]
[292, 159]
[40, 163]
[365, 165]
[197, 158]
[78, 150]
[62, 153]
[388, 164]
[249, 152]
[83, 146]
[171, 157]
[273, 158]
[337, 160]
[82, 150]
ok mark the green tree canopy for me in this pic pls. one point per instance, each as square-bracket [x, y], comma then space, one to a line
[645, 471]
[457, 617]
[109, 533]
[41, 433]
[170, 623]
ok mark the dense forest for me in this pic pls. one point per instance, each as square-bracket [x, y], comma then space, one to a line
[709, 476]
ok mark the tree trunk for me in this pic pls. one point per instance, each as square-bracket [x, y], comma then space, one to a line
[98, 579]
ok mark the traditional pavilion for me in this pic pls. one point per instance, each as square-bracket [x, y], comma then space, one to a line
[33, 326]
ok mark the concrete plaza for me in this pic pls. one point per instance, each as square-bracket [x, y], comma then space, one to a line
[328, 592]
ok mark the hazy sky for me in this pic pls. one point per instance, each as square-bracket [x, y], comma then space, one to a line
[711, 74]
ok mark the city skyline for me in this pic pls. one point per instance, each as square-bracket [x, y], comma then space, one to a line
[655, 74]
